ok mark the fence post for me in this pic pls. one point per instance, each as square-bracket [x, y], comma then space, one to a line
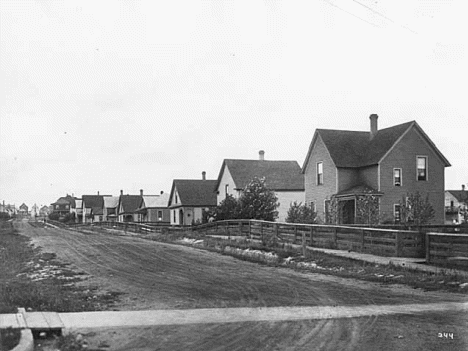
[428, 248]
[277, 232]
[398, 243]
[362, 240]
[295, 233]
[311, 235]
[335, 237]
[304, 245]
[250, 229]
[240, 228]
[261, 230]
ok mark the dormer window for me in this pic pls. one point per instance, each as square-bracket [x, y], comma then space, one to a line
[422, 168]
[397, 176]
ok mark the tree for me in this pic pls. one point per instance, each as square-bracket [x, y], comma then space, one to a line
[258, 201]
[416, 210]
[367, 209]
[227, 209]
[299, 213]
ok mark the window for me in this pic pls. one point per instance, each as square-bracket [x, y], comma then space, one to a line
[319, 173]
[174, 216]
[226, 190]
[312, 205]
[176, 199]
[397, 176]
[56, 207]
[67, 207]
[159, 215]
[422, 168]
[397, 213]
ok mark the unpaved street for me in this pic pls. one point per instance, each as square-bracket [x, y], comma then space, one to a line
[161, 276]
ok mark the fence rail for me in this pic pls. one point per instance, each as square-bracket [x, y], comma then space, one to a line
[447, 248]
[384, 242]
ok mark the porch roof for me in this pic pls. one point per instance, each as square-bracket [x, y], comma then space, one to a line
[361, 189]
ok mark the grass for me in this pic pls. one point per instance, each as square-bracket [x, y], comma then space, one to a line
[9, 338]
[315, 261]
[38, 282]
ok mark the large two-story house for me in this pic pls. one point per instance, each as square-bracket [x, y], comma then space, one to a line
[283, 177]
[387, 163]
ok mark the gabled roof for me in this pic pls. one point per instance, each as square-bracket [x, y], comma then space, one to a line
[111, 201]
[129, 203]
[353, 149]
[91, 201]
[460, 195]
[195, 192]
[66, 200]
[279, 175]
[155, 201]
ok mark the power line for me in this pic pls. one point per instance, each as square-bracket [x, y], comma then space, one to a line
[382, 15]
[350, 13]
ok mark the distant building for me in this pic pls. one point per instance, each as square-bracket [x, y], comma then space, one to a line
[456, 206]
[189, 198]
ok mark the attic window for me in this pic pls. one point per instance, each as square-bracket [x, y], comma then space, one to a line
[320, 173]
[422, 168]
[397, 176]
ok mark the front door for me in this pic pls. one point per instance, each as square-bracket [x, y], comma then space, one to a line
[348, 211]
[181, 217]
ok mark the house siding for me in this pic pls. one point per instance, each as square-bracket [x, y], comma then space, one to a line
[319, 193]
[347, 178]
[404, 156]
[226, 178]
[285, 199]
[370, 176]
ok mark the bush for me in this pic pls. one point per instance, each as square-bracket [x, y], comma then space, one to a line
[54, 216]
[299, 213]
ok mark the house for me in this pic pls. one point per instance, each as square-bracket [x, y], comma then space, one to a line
[63, 205]
[153, 208]
[128, 206]
[388, 163]
[456, 206]
[283, 177]
[111, 206]
[10, 209]
[93, 208]
[189, 198]
[23, 210]
[44, 211]
[78, 210]
[34, 210]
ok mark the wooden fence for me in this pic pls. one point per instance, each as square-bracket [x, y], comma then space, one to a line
[384, 242]
[447, 248]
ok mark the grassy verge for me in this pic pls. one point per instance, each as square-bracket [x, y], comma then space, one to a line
[38, 282]
[284, 255]
[9, 338]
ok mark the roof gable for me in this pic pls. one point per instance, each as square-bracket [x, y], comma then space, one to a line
[460, 195]
[155, 201]
[129, 203]
[279, 175]
[194, 192]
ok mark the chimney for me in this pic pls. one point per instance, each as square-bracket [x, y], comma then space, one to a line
[121, 192]
[141, 192]
[162, 192]
[203, 174]
[463, 187]
[373, 126]
[98, 192]
[261, 155]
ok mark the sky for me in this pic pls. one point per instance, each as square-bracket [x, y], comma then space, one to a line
[128, 95]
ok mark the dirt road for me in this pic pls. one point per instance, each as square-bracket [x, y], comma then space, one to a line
[161, 276]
